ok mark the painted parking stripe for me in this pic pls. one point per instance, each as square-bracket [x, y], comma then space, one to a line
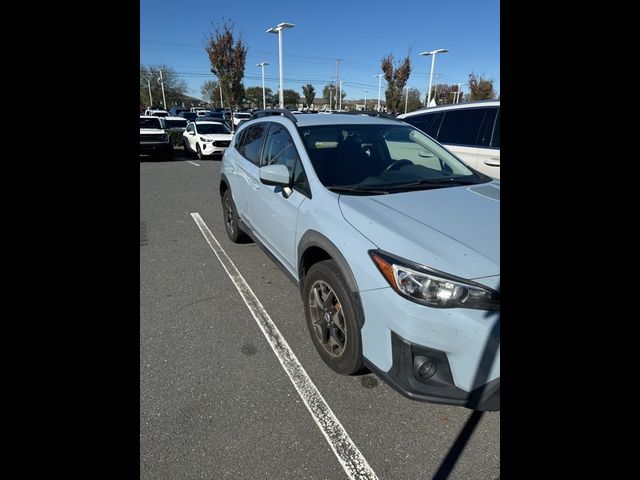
[352, 461]
[193, 163]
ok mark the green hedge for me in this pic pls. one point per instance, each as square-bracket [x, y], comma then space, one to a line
[176, 137]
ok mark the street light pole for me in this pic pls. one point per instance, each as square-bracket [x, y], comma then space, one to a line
[150, 97]
[162, 84]
[380, 75]
[365, 100]
[340, 95]
[278, 29]
[433, 61]
[264, 98]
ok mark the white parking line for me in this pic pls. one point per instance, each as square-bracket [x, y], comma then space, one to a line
[352, 461]
[193, 163]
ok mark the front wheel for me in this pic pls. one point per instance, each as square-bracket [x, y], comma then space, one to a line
[332, 319]
[199, 152]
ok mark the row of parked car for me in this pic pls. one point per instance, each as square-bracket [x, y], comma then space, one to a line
[471, 131]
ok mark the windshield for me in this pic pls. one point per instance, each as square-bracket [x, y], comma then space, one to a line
[209, 128]
[176, 123]
[150, 123]
[382, 159]
[188, 115]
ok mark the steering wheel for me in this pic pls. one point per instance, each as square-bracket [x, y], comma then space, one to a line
[397, 164]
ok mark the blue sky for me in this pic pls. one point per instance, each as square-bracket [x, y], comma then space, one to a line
[359, 33]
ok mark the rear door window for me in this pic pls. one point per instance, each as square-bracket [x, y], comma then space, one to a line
[495, 140]
[461, 127]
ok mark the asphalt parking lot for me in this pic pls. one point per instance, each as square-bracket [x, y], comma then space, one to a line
[217, 402]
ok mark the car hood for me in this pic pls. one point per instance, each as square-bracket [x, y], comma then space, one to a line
[455, 230]
[216, 136]
[151, 131]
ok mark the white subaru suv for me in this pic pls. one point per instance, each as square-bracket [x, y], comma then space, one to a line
[393, 242]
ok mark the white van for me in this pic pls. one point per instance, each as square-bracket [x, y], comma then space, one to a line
[470, 130]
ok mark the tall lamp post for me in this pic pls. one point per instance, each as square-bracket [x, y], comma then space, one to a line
[458, 92]
[278, 29]
[340, 95]
[433, 61]
[264, 98]
[380, 75]
[365, 100]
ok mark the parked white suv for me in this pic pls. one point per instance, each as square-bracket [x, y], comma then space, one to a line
[206, 138]
[470, 130]
[154, 140]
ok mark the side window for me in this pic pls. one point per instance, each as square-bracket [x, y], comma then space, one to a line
[252, 142]
[429, 123]
[280, 149]
[239, 139]
[486, 129]
[190, 128]
[495, 140]
[461, 127]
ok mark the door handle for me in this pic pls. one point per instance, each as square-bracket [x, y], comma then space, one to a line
[492, 162]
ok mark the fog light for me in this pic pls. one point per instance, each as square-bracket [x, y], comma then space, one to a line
[424, 367]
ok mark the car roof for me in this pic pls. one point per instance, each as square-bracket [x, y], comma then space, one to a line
[174, 118]
[455, 106]
[209, 121]
[150, 116]
[311, 119]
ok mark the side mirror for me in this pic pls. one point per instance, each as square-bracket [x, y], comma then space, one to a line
[275, 175]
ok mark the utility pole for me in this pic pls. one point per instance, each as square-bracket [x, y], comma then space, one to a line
[330, 98]
[340, 97]
[164, 102]
[150, 97]
[338, 89]
[406, 99]
[380, 75]
[365, 100]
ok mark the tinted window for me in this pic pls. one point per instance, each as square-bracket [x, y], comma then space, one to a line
[212, 128]
[187, 115]
[160, 114]
[486, 128]
[461, 127]
[175, 123]
[253, 141]
[495, 141]
[429, 123]
[150, 123]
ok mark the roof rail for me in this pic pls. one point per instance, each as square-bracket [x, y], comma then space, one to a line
[275, 111]
[372, 113]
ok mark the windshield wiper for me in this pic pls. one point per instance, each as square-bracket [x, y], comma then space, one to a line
[433, 183]
[361, 190]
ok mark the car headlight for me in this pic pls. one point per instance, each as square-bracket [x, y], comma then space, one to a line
[202, 139]
[164, 137]
[433, 288]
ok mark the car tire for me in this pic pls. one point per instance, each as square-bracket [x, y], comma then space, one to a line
[199, 152]
[332, 318]
[231, 223]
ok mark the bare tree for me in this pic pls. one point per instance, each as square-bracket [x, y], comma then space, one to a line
[396, 80]
[174, 87]
[309, 94]
[481, 88]
[413, 100]
[210, 91]
[227, 58]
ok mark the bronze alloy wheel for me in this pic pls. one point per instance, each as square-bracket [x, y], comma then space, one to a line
[328, 319]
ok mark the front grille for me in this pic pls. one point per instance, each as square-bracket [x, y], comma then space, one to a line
[152, 138]
[221, 143]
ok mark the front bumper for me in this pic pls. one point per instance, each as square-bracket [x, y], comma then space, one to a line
[438, 388]
[210, 149]
[464, 344]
